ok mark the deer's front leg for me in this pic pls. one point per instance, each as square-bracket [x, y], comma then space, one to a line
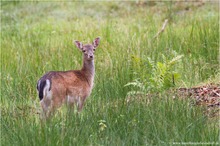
[80, 104]
[70, 102]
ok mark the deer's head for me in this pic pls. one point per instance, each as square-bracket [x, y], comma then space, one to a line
[88, 49]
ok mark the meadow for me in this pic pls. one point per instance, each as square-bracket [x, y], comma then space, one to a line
[37, 37]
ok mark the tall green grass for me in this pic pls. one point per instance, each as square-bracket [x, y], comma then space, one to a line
[160, 122]
[37, 37]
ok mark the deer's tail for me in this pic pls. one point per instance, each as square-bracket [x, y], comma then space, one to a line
[43, 87]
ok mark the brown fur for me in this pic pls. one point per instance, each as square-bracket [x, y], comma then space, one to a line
[73, 86]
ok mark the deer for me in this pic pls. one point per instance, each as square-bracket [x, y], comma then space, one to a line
[72, 86]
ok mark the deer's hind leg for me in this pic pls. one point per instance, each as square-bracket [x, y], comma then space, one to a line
[51, 101]
[46, 104]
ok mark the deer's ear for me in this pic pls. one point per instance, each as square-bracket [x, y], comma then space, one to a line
[78, 44]
[96, 42]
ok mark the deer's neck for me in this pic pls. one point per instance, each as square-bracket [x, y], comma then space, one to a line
[89, 70]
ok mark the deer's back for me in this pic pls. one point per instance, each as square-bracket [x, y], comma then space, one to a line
[70, 83]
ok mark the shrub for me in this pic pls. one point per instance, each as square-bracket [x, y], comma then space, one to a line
[154, 76]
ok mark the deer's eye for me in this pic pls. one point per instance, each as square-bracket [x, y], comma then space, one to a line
[84, 50]
[94, 50]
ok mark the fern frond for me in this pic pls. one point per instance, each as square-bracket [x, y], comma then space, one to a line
[175, 59]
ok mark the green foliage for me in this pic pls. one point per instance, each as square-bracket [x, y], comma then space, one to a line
[154, 77]
[161, 122]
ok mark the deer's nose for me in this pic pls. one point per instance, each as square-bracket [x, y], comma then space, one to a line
[90, 56]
